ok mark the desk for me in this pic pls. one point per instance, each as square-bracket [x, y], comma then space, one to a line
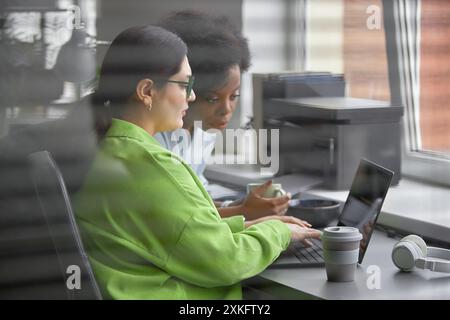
[311, 283]
[410, 207]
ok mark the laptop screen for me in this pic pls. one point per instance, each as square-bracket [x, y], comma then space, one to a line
[364, 202]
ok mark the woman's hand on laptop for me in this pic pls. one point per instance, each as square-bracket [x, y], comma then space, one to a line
[285, 219]
[299, 233]
[300, 229]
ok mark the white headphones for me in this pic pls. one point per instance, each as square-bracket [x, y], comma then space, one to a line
[412, 251]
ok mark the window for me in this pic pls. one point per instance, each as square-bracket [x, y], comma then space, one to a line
[434, 103]
[419, 73]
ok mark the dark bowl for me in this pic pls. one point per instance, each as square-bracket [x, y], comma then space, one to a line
[318, 212]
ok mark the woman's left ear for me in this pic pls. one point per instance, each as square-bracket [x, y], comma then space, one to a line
[144, 92]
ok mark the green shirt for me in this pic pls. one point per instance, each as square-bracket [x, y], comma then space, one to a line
[152, 231]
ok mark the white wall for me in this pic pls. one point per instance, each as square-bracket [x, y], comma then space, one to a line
[264, 24]
[324, 42]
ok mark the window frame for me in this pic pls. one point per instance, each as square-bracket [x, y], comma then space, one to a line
[422, 165]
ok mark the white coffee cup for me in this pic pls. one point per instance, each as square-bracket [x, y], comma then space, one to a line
[273, 191]
[341, 252]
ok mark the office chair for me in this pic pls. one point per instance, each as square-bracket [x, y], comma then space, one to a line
[57, 210]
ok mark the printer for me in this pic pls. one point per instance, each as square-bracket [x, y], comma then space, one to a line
[322, 132]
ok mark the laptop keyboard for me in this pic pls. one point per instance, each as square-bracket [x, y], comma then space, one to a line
[311, 255]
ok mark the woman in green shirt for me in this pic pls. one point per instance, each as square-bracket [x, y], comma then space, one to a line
[150, 228]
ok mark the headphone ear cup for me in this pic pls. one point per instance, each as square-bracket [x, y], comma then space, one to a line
[419, 241]
[406, 252]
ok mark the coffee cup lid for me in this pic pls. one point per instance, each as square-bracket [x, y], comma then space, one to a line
[341, 234]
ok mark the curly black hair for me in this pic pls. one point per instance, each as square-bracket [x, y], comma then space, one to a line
[214, 46]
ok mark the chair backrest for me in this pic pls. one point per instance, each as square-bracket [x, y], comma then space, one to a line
[57, 210]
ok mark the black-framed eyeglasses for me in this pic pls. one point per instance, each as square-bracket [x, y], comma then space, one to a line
[189, 84]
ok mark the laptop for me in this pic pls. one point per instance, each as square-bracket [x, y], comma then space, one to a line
[361, 211]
